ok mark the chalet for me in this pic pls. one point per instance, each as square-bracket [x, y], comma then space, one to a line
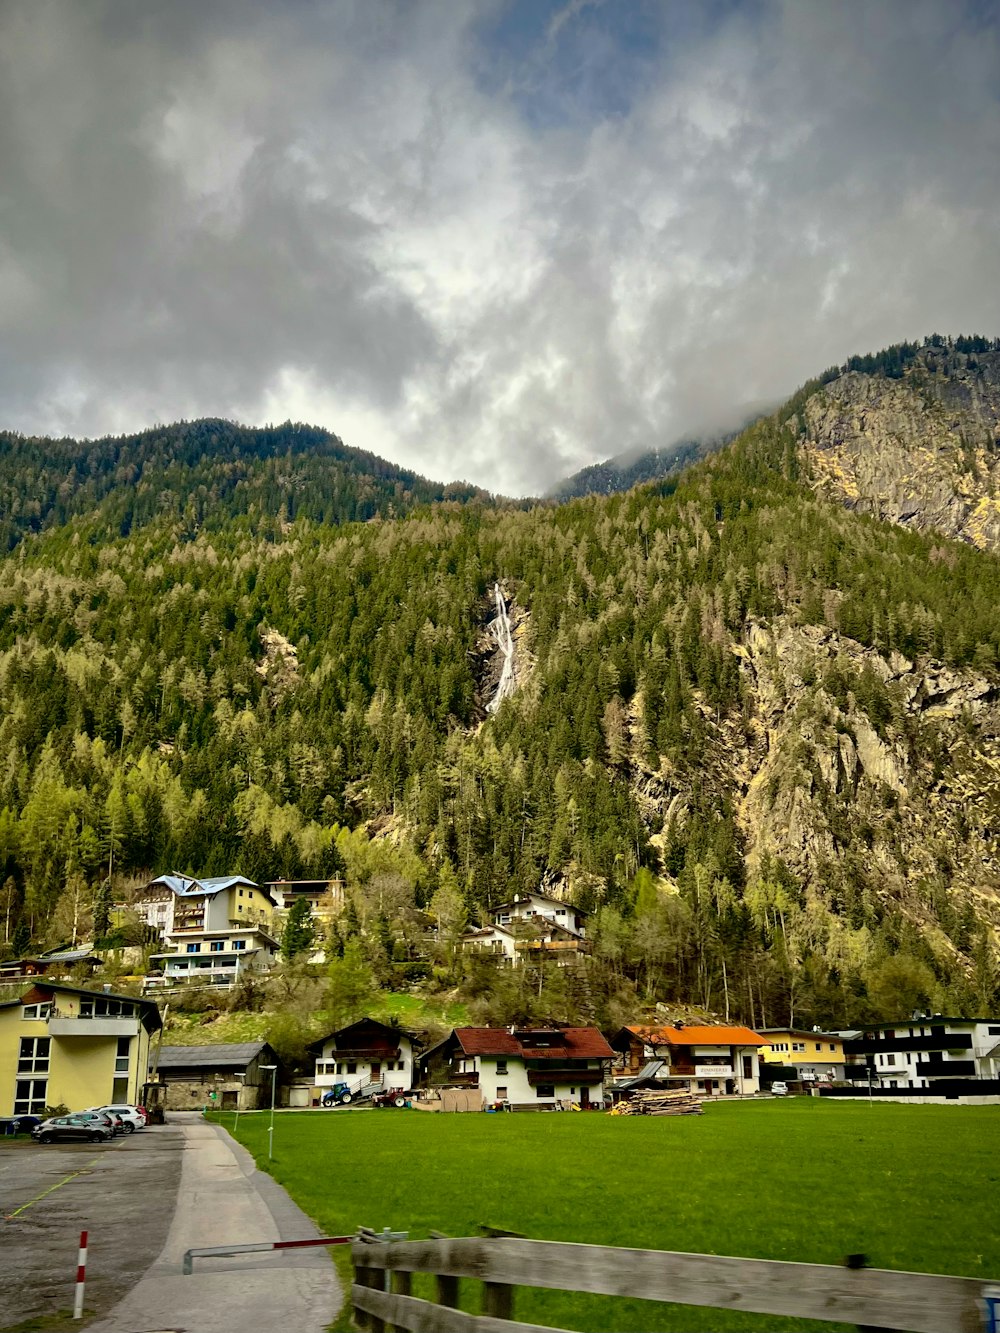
[531, 926]
[706, 1060]
[526, 1068]
[227, 1076]
[55, 963]
[72, 1046]
[366, 1052]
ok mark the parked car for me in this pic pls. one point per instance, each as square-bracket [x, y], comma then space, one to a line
[81, 1129]
[112, 1122]
[779, 1089]
[130, 1117]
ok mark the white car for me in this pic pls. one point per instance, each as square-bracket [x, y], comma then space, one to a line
[779, 1089]
[131, 1118]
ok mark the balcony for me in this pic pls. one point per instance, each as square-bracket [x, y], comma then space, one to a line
[946, 1068]
[939, 1040]
[93, 1027]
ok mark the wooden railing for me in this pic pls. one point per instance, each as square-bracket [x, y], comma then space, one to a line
[870, 1297]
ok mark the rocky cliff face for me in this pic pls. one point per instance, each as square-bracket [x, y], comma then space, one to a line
[875, 780]
[922, 450]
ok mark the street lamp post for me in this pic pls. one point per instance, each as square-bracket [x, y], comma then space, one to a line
[239, 1093]
[270, 1129]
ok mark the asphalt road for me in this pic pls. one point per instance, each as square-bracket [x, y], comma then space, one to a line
[123, 1193]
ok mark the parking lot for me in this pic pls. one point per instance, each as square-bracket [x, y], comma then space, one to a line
[122, 1192]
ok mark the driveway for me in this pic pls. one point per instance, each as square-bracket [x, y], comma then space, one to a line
[121, 1192]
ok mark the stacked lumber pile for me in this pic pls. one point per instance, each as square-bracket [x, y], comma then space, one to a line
[650, 1102]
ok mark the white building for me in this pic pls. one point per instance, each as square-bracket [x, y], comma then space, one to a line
[217, 956]
[926, 1055]
[522, 1067]
[709, 1061]
[366, 1052]
[531, 925]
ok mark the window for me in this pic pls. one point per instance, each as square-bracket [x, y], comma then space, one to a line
[501, 1092]
[501, 1066]
[560, 911]
[192, 948]
[36, 1010]
[545, 1090]
[121, 1055]
[817, 1045]
[352, 1066]
[239, 944]
[106, 1008]
[29, 1096]
[832, 1046]
[34, 1056]
[217, 946]
[993, 1031]
[241, 893]
[798, 1045]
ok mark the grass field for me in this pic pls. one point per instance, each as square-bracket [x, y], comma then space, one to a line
[912, 1187]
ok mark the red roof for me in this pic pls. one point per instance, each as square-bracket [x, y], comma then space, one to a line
[567, 1043]
[698, 1036]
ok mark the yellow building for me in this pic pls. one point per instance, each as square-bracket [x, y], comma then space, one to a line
[68, 1046]
[816, 1055]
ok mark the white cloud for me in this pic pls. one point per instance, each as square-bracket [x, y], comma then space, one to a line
[328, 213]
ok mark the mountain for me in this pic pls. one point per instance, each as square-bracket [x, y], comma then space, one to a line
[198, 473]
[754, 729]
[921, 448]
[624, 471]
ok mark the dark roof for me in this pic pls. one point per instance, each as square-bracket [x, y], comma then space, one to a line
[229, 1055]
[568, 1043]
[357, 1037]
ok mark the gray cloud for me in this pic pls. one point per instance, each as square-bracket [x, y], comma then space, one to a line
[331, 212]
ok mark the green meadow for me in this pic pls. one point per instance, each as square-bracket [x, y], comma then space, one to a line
[912, 1187]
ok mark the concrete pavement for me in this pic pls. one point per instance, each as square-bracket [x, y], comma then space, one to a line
[222, 1198]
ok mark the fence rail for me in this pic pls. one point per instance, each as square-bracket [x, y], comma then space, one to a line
[870, 1297]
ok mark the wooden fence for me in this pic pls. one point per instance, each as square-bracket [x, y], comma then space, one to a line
[869, 1297]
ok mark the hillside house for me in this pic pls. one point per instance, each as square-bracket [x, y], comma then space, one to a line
[705, 1060]
[366, 1052]
[534, 926]
[173, 904]
[218, 957]
[72, 1046]
[526, 1068]
[225, 1076]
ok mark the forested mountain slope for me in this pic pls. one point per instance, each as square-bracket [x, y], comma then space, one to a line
[756, 732]
[201, 473]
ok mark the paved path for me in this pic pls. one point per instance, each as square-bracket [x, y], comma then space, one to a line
[222, 1198]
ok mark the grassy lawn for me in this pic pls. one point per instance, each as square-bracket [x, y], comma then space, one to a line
[913, 1187]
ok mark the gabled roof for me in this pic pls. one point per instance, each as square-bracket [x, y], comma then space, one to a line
[704, 1035]
[567, 1043]
[229, 1055]
[352, 1037]
[185, 886]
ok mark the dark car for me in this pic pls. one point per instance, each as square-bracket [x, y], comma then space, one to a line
[106, 1118]
[73, 1128]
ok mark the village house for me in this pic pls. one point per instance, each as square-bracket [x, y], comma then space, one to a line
[704, 1060]
[70, 1046]
[226, 1076]
[56, 963]
[813, 1055]
[536, 1068]
[531, 925]
[925, 1057]
[364, 1054]
[172, 904]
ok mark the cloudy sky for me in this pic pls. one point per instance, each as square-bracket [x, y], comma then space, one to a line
[489, 239]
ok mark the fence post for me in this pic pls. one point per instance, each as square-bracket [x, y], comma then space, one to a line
[447, 1290]
[498, 1300]
[400, 1282]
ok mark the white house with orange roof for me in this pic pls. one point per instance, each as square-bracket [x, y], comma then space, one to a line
[704, 1059]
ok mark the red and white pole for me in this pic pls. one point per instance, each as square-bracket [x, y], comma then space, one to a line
[81, 1277]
